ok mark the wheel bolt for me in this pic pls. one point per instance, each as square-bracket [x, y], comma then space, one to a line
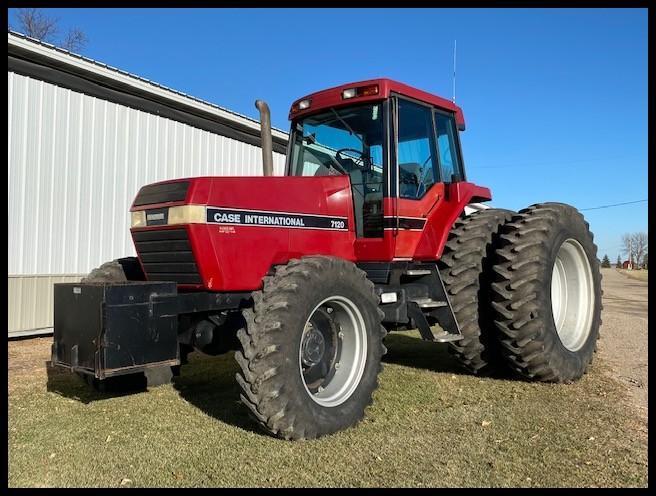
[329, 309]
[340, 335]
[320, 389]
[337, 366]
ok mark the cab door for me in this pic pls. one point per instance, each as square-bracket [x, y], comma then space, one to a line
[418, 177]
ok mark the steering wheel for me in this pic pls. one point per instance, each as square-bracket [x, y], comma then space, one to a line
[359, 162]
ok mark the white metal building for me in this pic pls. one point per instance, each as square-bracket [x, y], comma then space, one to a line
[82, 139]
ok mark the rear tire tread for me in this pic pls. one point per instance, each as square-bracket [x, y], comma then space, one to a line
[464, 268]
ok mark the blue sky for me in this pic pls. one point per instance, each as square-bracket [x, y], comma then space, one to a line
[555, 100]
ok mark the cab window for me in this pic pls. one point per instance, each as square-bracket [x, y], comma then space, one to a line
[447, 146]
[416, 154]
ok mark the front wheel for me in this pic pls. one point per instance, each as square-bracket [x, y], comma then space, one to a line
[547, 293]
[312, 348]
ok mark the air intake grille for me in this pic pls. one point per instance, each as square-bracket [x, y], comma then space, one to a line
[161, 193]
[166, 256]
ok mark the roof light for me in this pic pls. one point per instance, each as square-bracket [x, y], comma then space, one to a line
[350, 93]
[301, 105]
[370, 90]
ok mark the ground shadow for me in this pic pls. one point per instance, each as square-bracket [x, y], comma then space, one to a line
[208, 383]
[413, 352]
[73, 386]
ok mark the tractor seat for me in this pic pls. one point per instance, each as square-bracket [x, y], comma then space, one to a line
[410, 177]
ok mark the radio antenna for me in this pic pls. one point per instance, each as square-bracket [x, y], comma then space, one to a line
[454, 70]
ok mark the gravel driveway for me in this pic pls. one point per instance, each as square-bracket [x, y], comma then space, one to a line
[623, 341]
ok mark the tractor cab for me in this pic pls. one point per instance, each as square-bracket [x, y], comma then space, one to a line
[400, 148]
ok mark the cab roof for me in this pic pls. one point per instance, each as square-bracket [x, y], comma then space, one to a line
[332, 97]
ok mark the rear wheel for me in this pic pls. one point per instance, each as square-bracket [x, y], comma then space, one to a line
[465, 268]
[312, 348]
[547, 293]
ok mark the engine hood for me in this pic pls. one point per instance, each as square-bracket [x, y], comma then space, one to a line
[224, 233]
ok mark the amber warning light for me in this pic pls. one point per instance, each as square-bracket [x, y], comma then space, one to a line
[370, 90]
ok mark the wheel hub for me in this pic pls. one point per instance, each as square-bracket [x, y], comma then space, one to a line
[572, 295]
[313, 347]
[332, 351]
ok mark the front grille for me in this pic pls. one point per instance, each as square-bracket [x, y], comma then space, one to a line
[166, 256]
[162, 193]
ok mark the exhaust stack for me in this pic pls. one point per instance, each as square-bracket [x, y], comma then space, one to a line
[265, 133]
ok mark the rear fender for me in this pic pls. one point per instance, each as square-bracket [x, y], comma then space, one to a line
[440, 219]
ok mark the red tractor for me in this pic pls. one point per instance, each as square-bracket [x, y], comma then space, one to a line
[304, 275]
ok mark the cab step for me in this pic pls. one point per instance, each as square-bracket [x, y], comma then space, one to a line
[441, 336]
[429, 303]
[418, 318]
[418, 272]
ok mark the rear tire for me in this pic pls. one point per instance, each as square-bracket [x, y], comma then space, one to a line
[547, 293]
[465, 268]
[275, 377]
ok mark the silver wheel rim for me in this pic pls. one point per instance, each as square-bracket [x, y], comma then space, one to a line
[572, 295]
[334, 339]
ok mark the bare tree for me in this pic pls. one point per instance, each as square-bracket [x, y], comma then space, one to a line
[639, 242]
[36, 24]
[635, 246]
[626, 245]
[75, 40]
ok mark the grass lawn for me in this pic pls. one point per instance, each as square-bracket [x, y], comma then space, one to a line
[430, 425]
[640, 275]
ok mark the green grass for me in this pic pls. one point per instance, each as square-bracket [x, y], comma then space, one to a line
[640, 275]
[429, 425]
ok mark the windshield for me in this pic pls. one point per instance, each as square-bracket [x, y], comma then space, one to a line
[339, 141]
[346, 141]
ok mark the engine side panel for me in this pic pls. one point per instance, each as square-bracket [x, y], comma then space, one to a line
[254, 223]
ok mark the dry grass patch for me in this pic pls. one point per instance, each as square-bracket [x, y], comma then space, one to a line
[430, 425]
[639, 275]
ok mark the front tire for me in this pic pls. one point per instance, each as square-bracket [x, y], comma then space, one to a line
[547, 293]
[312, 348]
[119, 270]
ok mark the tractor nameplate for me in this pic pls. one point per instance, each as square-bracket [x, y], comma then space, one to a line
[258, 218]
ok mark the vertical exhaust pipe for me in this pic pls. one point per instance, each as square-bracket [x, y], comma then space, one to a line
[265, 133]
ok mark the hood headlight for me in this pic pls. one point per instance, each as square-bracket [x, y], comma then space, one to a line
[187, 214]
[138, 218]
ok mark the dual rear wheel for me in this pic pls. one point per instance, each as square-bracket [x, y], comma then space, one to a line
[526, 290]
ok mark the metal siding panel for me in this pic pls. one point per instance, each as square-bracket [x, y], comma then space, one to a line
[76, 184]
[37, 292]
[13, 300]
[15, 169]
